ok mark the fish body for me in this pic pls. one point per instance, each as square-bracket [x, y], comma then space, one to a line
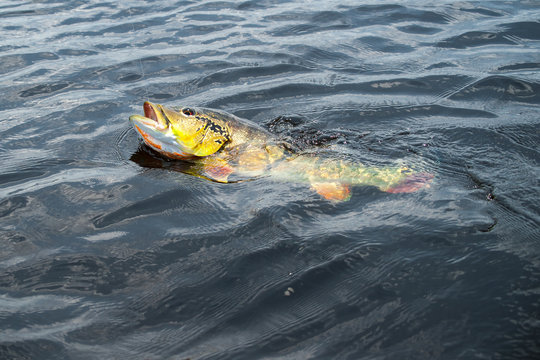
[225, 148]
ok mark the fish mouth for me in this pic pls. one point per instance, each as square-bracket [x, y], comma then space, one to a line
[154, 117]
[154, 129]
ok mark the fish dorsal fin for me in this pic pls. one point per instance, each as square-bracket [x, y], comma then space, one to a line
[332, 191]
[274, 152]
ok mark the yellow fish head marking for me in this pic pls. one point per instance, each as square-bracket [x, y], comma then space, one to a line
[181, 133]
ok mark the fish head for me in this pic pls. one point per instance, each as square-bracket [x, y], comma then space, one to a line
[180, 133]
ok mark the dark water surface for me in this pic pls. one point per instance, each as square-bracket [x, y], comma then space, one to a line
[108, 252]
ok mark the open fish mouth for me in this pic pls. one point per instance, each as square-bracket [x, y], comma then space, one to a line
[154, 129]
[154, 117]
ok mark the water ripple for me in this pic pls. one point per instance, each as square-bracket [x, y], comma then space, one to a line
[110, 251]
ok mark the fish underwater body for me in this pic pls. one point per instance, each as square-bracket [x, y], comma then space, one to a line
[224, 148]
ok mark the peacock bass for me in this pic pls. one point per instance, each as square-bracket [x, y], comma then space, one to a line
[224, 148]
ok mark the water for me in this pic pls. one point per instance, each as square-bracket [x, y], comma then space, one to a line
[107, 251]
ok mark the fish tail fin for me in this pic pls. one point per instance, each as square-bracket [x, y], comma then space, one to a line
[411, 183]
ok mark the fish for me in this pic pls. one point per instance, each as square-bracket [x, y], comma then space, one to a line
[224, 148]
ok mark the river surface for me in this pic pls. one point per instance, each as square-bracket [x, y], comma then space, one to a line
[107, 251]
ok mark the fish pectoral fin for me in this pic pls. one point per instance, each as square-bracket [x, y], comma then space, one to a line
[333, 191]
[218, 172]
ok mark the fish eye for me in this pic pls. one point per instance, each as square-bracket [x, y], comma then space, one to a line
[188, 111]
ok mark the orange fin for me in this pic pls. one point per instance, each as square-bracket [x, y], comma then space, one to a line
[219, 173]
[411, 183]
[333, 191]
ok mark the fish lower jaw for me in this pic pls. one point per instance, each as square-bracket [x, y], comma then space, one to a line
[166, 149]
[162, 142]
[148, 122]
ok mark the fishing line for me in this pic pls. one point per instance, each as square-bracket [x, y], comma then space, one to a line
[141, 67]
[140, 63]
